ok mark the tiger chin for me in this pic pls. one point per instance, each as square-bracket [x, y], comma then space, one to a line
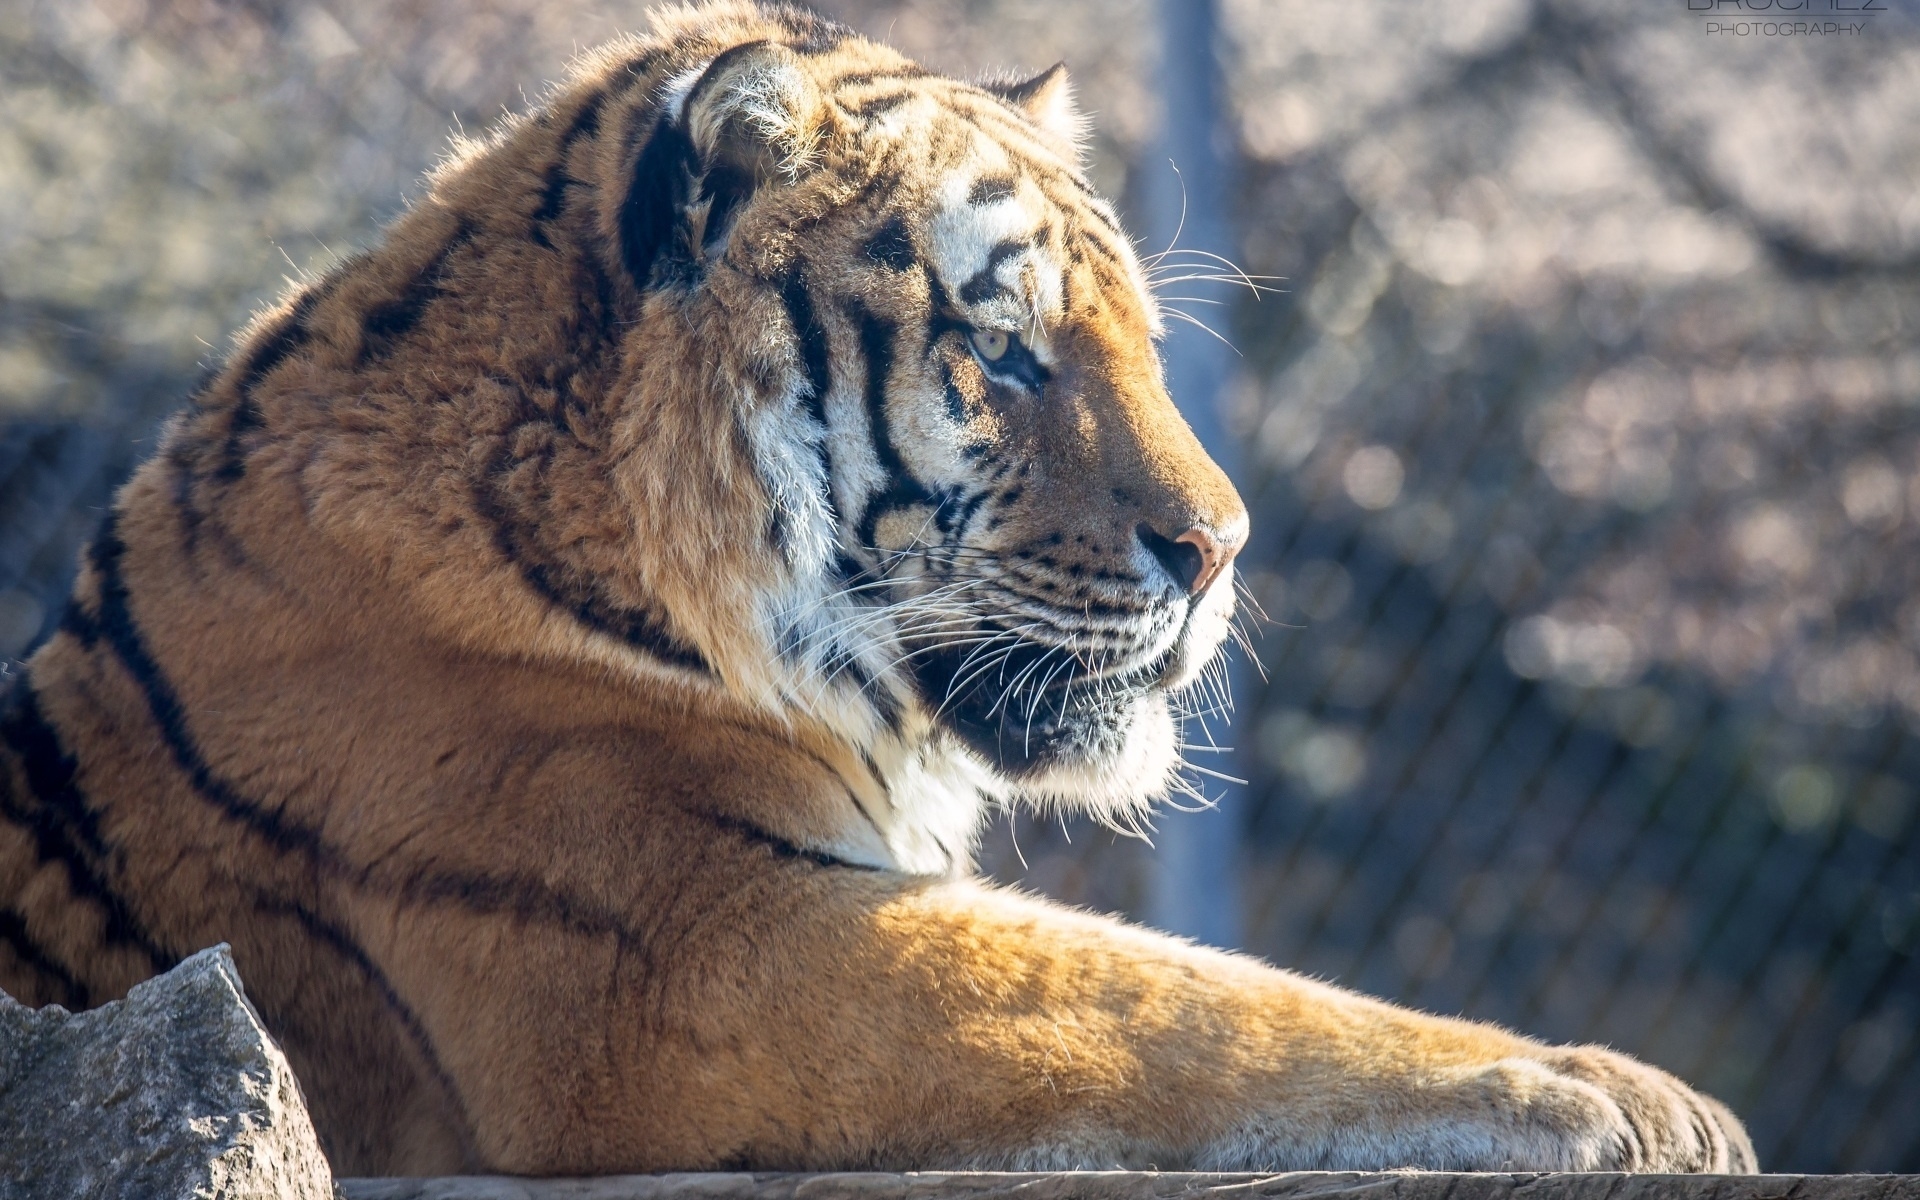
[569, 649]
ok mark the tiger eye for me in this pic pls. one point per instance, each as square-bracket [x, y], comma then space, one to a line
[991, 343]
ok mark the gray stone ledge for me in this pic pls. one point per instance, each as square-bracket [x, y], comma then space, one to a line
[1142, 1185]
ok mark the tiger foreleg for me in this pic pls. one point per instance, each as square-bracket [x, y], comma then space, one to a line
[950, 1025]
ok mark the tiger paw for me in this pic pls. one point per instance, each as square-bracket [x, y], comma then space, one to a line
[1589, 1109]
[1656, 1122]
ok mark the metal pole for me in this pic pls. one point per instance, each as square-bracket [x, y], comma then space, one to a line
[1193, 888]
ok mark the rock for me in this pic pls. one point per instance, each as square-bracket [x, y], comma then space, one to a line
[175, 1091]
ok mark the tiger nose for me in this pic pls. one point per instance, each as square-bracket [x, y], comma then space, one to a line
[1194, 559]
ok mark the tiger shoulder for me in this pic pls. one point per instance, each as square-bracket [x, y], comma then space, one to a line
[570, 649]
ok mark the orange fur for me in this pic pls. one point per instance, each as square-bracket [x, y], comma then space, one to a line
[460, 658]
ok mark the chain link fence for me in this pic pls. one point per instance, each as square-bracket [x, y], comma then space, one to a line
[1584, 448]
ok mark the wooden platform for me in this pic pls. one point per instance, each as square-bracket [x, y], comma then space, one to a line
[1139, 1185]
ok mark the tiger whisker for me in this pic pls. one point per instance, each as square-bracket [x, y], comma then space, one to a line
[1040, 692]
[1012, 690]
[1212, 774]
[1232, 266]
[1193, 320]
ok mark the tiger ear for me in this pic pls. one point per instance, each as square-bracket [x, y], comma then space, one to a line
[729, 126]
[754, 114]
[1047, 99]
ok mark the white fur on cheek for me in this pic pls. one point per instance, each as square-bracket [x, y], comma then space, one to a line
[785, 442]
[928, 815]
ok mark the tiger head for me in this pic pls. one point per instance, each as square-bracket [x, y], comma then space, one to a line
[771, 369]
[997, 544]
[994, 532]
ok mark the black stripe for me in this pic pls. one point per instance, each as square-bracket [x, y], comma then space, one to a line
[814, 348]
[876, 345]
[837, 660]
[636, 68]
[553, 197]
[884, 702]
[873, 773]
[1108, 274]
[781, 847]
[725, 187]
[892, 245]
[850, 572]
[779, 531]
[662, 176]
[605, 329]
[117, 626]
[65, 829]
[1099, 211]
[267, 354]
[984, 282]
[342, 943]
[814, 358]
[578, 596]
[197, 522]
[80, 623]
[74, 994]
[885, 102]
[1108, 253]
[861, 806]
[989, 189]
[950, 389]
[282, 340]
[524, 898]
[953, 508]
[389, 322]
[633, 627]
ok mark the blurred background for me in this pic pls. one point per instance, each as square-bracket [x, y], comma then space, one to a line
[1582, 441]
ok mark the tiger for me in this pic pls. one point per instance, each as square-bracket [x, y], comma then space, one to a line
[570, 649]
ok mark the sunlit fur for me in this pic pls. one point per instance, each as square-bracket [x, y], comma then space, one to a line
[568, 650]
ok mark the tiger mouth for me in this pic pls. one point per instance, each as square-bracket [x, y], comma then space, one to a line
[1027, 706]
